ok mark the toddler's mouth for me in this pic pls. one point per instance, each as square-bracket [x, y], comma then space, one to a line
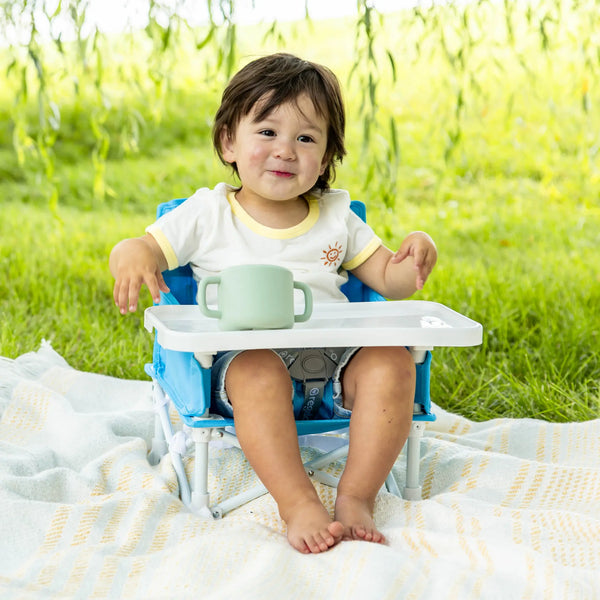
[282, 173]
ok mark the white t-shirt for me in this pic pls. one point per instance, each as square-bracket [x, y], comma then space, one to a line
[211, 231]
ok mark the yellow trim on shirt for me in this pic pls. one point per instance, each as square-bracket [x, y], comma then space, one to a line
[270, 232]
[165, 245]
[363, 255]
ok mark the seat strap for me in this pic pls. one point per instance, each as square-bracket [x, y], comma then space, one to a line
[313, 367]
[314, 390]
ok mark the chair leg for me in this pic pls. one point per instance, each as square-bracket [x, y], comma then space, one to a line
[177, 448]
[312, 467]
[392, 486]
[218, 510]
[164, 441]
[412, 491]
[200, 502]
[159, 445]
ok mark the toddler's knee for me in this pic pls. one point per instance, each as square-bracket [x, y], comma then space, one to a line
[383, 374]
[388, 369]
[391, 363]
[257, 371]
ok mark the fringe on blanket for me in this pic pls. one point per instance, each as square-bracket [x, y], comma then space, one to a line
[31, 365]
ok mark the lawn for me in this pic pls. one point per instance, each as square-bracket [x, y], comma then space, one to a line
[506, 178]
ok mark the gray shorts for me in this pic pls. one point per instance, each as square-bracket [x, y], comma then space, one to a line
[331, 407]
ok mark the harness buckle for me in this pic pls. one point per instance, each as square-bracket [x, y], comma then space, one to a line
[313, 367]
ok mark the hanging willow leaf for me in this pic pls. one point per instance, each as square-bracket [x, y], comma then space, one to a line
[208, 38]
[392, 64]
[54, 116]
[394, 140]
[11, 65]
[33, 53]
[166, 36]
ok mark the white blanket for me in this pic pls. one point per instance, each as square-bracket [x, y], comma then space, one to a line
[512, 509]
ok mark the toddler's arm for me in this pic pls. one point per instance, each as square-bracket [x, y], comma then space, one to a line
[133, 262]
[398, 275]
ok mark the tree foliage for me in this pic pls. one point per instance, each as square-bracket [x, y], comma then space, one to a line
[54, 50]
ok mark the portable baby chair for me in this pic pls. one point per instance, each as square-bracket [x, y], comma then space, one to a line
[184, 379]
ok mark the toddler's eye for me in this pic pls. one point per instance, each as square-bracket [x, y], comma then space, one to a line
[305, 139]
[267, 132]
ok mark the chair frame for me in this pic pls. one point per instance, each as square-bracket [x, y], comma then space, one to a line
[199, 430]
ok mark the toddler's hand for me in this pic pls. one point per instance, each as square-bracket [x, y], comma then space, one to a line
[422, 248]
[133, 263]
[127, 289]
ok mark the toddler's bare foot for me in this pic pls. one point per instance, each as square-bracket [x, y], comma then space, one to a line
[310, 528]
[356, 515]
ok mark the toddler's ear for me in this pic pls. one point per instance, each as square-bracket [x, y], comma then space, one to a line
[227, 146]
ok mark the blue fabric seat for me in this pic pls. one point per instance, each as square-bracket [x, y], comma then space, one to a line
[179, 378]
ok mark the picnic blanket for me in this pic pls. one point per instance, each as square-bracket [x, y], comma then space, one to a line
[511, 508]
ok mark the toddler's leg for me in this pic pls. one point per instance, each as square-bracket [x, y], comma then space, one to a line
[259, 388]
[378, 386]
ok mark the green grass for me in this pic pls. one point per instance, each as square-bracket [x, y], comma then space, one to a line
[515, 211]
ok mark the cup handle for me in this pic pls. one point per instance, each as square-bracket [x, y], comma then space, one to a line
[204, 283]
[308, 302]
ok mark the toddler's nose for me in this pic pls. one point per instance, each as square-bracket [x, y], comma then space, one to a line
[284, 150]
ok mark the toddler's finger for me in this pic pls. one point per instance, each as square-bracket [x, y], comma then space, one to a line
[162, 285]
[120, 296]
[134, 292]
[154, 288]
[400, 255]
[421, 255]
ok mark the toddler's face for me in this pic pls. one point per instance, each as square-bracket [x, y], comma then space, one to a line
[281, 156]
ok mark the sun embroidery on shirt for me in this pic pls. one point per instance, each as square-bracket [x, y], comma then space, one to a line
[332, 255]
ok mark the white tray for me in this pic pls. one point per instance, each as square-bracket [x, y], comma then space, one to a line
[416, 323]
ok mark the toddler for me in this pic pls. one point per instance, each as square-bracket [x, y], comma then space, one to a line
[280, 126]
